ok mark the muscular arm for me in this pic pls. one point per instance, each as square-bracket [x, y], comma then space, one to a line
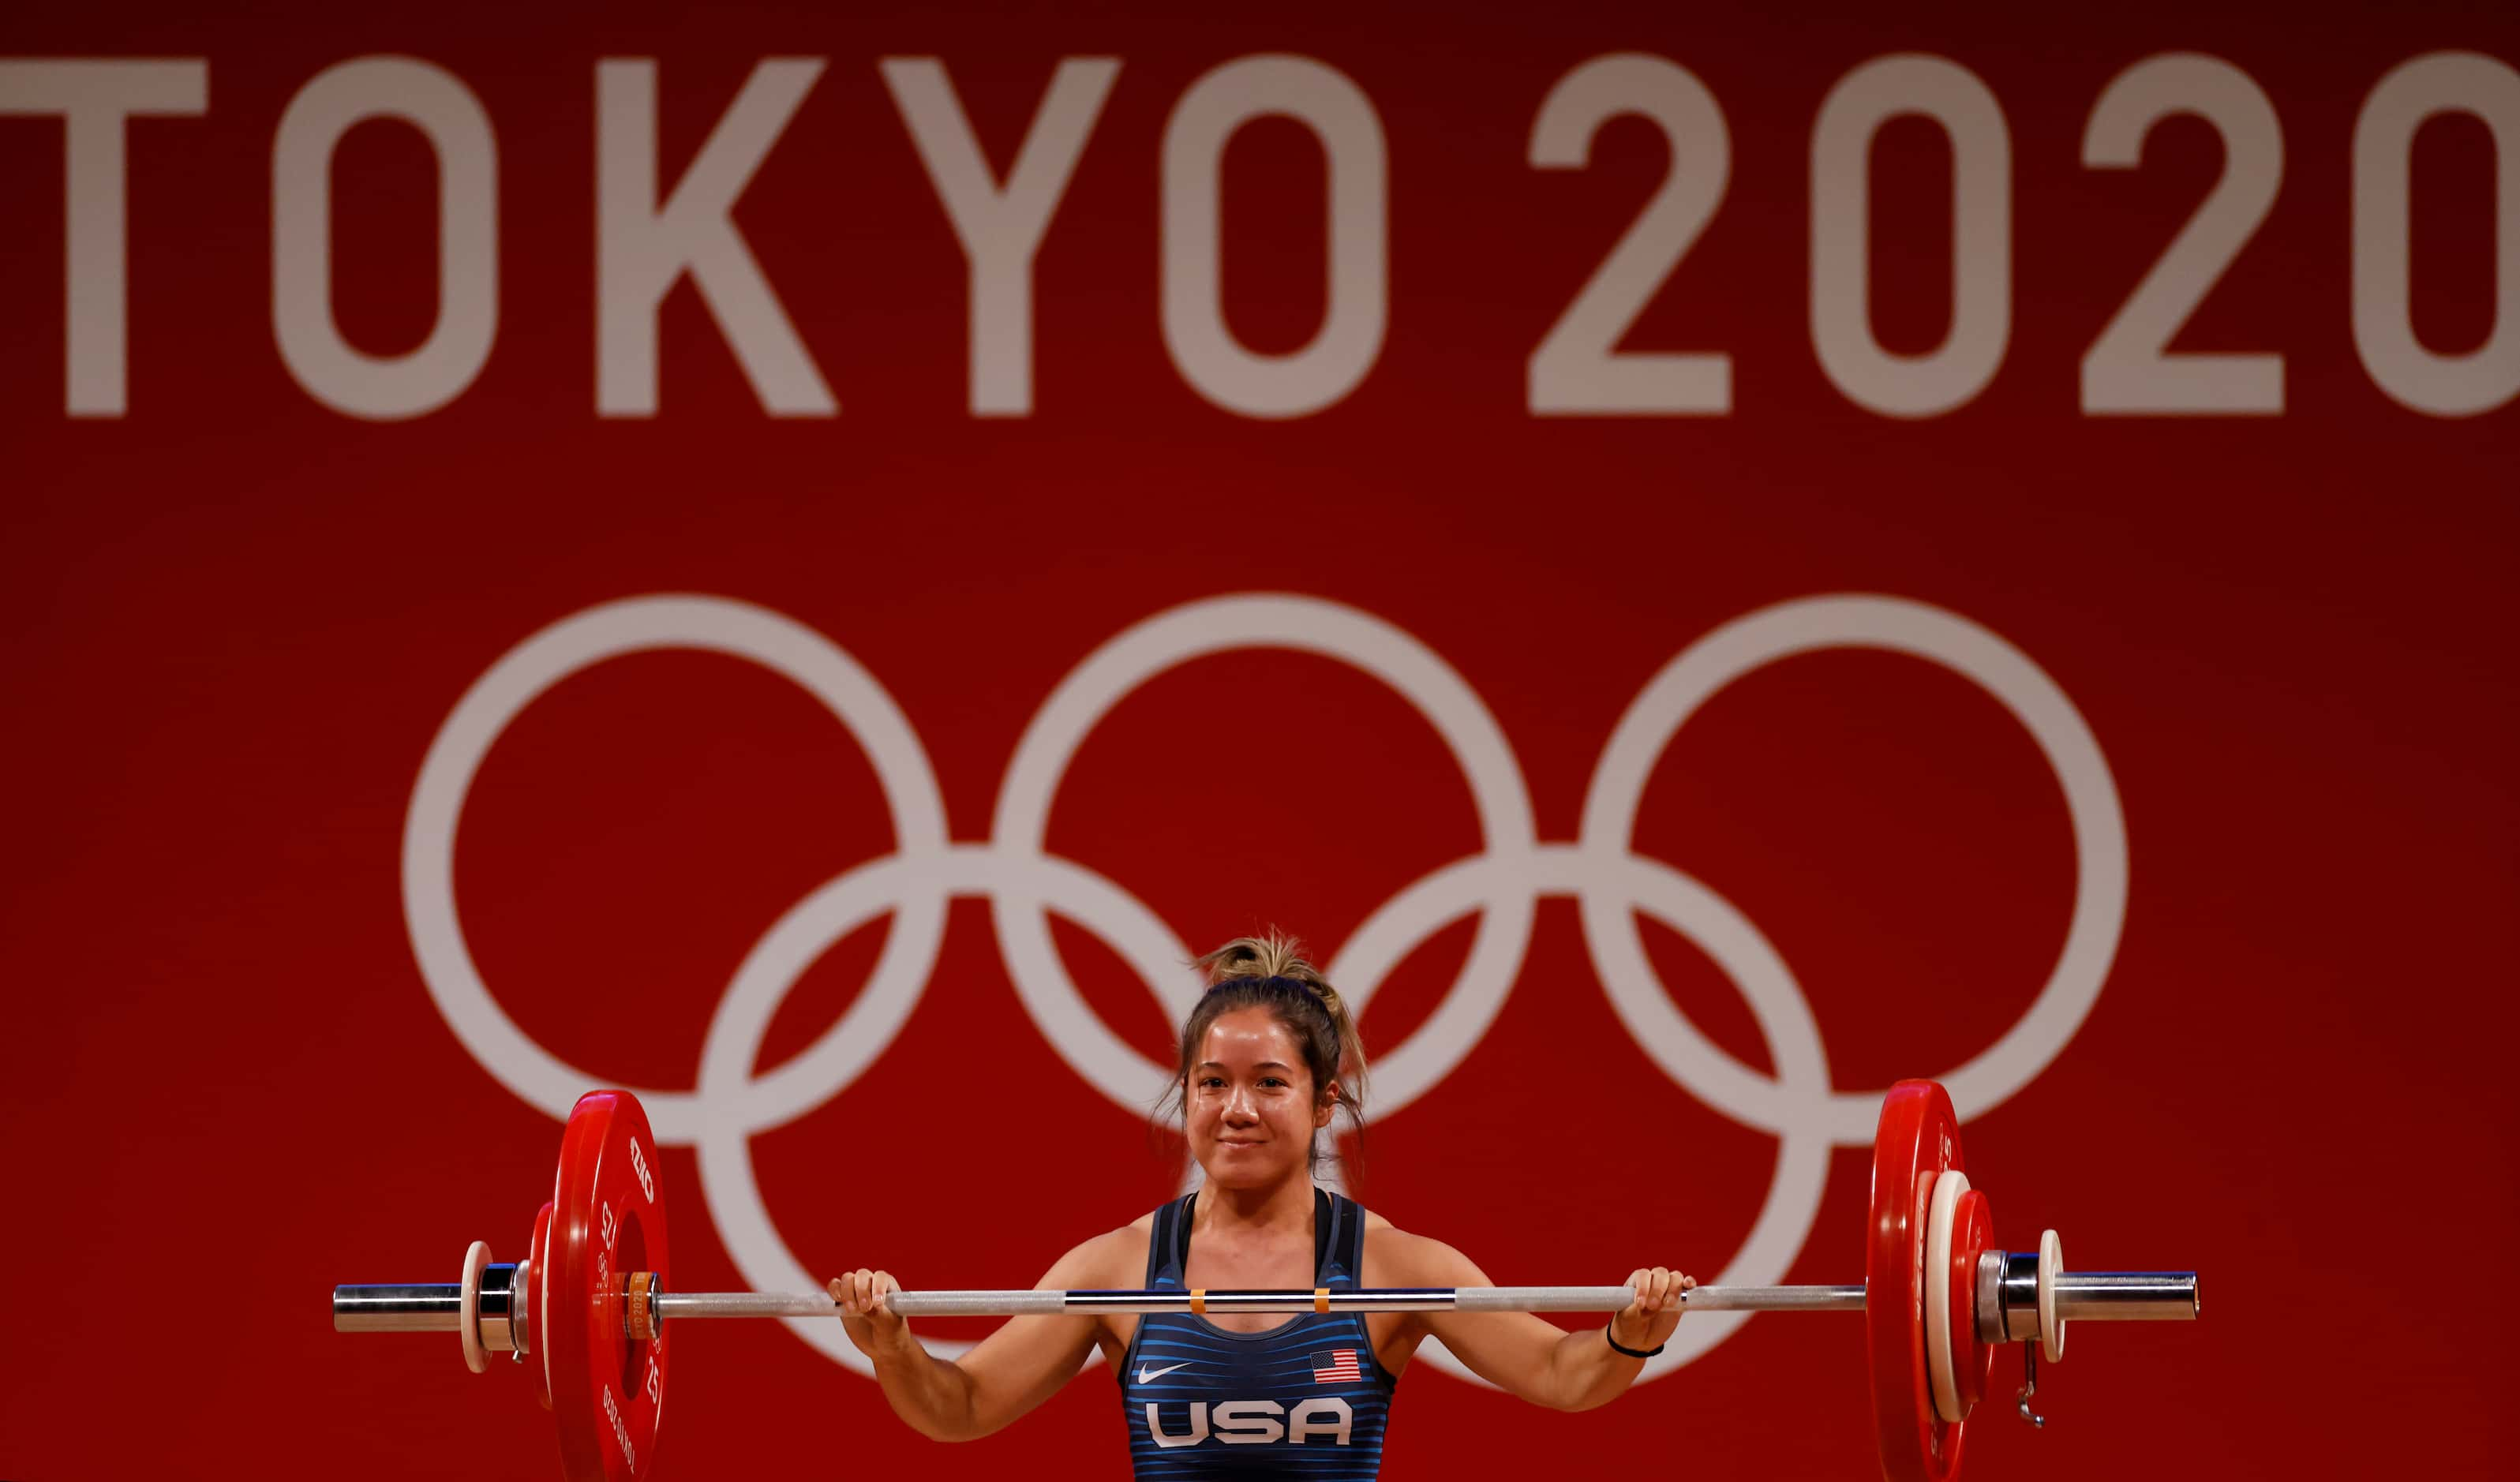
[1004, 1375]
[1518, 1352]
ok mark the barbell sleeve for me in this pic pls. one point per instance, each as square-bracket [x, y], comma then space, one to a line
[2127, 1296]
[399, 1307]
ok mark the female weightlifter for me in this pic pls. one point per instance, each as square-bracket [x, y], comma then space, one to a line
[1266, 1060]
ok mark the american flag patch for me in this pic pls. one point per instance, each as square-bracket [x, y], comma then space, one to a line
[1334, 1365]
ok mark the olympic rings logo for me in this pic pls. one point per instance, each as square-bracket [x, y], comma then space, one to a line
[1503, 884]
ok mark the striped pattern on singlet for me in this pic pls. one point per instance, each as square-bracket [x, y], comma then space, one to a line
[1305, 1399]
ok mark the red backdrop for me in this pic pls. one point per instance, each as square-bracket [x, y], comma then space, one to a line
[238, 617]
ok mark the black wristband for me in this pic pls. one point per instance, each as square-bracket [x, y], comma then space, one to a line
[1632, 1352]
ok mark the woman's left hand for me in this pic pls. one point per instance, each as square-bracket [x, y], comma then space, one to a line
[1649, 1320]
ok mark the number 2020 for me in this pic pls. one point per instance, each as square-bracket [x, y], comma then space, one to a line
[1576, 371]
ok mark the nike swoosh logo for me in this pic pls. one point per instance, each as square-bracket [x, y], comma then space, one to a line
[1145, 1373]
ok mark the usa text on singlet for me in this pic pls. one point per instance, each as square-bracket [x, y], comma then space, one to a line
[1304, 1399]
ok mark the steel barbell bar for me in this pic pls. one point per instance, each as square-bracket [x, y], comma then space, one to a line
[2139, 1296]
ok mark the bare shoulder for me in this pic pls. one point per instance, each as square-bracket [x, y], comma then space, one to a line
[1402, 1259]
[1114, 1258]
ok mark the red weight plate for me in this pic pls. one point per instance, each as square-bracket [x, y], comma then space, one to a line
[1972, 1358]
[607, 1390]
[538, 1303]
[1919, 1138]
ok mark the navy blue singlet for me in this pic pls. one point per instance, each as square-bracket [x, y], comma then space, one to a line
[1304, 1399]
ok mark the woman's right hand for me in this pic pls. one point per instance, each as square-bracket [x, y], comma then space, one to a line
[870, 1323]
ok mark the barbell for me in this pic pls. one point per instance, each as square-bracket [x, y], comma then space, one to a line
[587, 1310]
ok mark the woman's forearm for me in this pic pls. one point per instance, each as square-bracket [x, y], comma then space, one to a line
[931, 1396]
[1585, 1371]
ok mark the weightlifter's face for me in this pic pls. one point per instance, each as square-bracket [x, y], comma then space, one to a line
[1251, 1108]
